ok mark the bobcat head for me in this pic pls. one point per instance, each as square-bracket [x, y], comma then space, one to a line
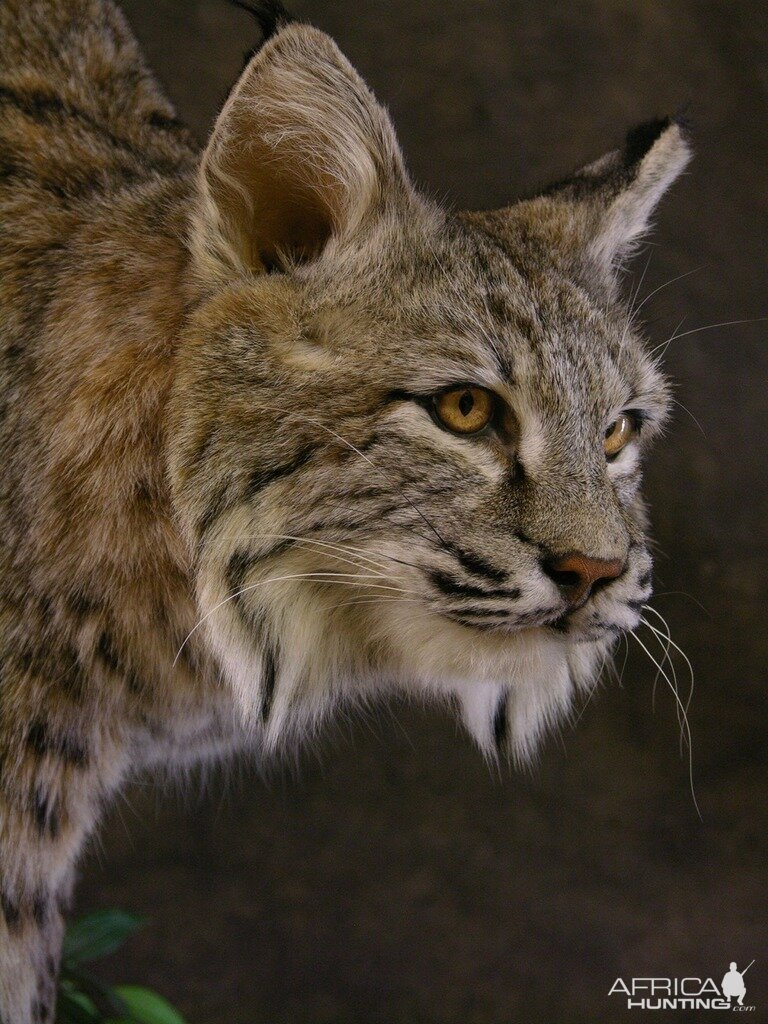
[407, 443]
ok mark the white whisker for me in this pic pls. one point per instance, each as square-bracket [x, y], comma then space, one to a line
[664, 345]
[664, 641]
[724, 323]
[335, 551]
[665, 285]
[346, 548]
[313, 577]
[685, 720]
[685, 409]
[681, 652]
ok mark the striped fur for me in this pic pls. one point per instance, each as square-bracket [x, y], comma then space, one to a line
[226, 506]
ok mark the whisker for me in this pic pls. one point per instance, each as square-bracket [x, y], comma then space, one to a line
[682, 593]
[660, 638]
[664, 345]
[636, 293]
[677, 647]
[664, 641]
[384, 599]
[313, 577]
[724, 323]
[685, 721]
[679, 404]
[592, 689]
[373, 465]
[665, 285]
[363, 552]
[620, 675]
[343, 554]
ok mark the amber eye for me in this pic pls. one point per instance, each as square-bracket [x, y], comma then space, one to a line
[619, 434]
[465, 410]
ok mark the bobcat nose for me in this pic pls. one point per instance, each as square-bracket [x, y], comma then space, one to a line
[578, 575]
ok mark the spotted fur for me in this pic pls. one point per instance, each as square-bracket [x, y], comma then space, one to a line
[227, 505]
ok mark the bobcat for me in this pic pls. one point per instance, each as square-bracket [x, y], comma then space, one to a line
[278, 433]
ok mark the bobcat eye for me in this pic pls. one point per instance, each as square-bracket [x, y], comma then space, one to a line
[619, 434]
[465, 410]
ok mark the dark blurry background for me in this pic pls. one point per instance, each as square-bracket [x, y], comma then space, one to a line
[392, 878]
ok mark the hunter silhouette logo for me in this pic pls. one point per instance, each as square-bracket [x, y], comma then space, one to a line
[690, 993]
[733, 984]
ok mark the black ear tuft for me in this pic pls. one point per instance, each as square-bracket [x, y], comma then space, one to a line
[639, 140]
[270, 15]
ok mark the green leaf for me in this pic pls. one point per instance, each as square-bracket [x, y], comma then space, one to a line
[104, 998]
[75, 1008]
[97, 935]
[146, 1007]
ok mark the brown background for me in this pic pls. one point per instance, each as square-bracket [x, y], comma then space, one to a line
[392, 879]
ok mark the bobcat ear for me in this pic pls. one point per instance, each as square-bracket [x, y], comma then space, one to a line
[593, 221]
[300, 154]
[610, 202]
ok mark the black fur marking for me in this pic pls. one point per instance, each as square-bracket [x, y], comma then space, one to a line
[645, 579]
[40, 910]
[42, 742]
[260, 479]
[619, 173]
[370, 442]
[270, 675]
[500, 722]
[270, 16]
[475, 564]
[217, 506]
[528, 540]
[106, 651]
[10, 910]
[42, 1012]
[602, 628]
[239, 564]
[41, 106]
[640, 139]
[455, 588]
[159, 120]
[486, 613]
[187, 656]
[47, 815]
[400, 395]
[202, 449]
[278, 548]
[636, 606]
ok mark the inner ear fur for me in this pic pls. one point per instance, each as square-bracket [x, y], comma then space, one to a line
[301, 152]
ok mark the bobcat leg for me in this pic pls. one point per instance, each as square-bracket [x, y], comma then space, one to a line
[47, 808]
[31, 930]
[36, 875]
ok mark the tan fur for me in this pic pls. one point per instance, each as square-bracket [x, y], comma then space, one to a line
[184, 435]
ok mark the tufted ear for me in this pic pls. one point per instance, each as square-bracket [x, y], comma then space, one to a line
[593, 221]
[616, 196]
[300, 154]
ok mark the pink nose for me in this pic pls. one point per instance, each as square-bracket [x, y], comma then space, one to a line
[578, 575]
